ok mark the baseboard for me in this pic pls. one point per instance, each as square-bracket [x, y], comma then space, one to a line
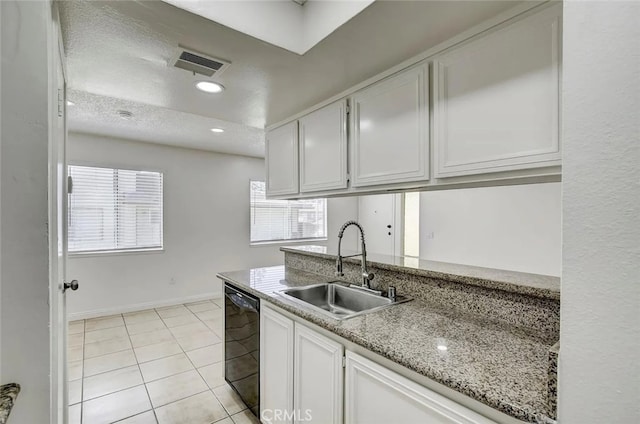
[73, 316]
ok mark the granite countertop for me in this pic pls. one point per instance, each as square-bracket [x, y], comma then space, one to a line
[544, 286]
[498, 365]
[8, 395]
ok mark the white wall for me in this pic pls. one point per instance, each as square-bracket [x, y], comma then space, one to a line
[599, 373]
[513, 227]
[206, 228]
[23, 217]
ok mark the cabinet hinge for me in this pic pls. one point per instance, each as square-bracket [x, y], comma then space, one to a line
[344, 362]
[69, 184]
[348, 109]
[60, 103]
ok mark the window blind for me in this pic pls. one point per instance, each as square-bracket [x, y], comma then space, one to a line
[114, 209]
[281, 220]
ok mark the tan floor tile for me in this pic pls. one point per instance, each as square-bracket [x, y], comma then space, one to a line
[75, 353]
[75, 340]
[216, 325]
[244, 417]
[202, 306]
[227, 420]
[219, 302]
[210, 315]
[116, 406]
[106, 347]
[229, 399]
[110, 362]
[75, 412]
[104, 322]
[202, 408]
[165, 367]
[173, 311]
[179, 320]
[176, 387]
[105, 334]
[145, 418]
[110, 382]
[206, 355]
[75, 327]
[75, 392]
[188, 329]
[197, 340]
[140, 316]
[145, 327]
[74, 370]
[213, 374]
[152, 337]
[157, 351]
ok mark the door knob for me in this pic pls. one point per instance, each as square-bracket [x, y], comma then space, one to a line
[73, 285]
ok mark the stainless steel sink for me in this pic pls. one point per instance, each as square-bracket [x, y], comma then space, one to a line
[339, 301]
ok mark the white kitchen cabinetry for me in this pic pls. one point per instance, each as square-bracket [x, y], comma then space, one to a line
[374, 394]
[281, 153]
[496, 99]
[323, 149]
[276, 365]
[318, 376]
[390, 130]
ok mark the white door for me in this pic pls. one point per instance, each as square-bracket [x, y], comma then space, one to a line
[390, 130]
[276, 367]
[375, 394]
[323, 149]
[281, 153]
[57, 234]
[380, 218]
[318, 377]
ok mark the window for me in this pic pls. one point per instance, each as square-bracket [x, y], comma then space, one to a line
[282, 220]
[114, 210]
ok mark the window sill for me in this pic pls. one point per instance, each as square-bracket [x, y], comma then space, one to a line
[285, 242]
[78, 255]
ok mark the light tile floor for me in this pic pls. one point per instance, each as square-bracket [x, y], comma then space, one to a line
[158, 366]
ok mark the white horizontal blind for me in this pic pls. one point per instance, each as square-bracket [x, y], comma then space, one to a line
[280, 220]
[114, 209]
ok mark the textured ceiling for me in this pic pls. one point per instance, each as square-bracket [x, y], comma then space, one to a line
[120, 50]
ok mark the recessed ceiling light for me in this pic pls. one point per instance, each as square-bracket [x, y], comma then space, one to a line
[70, 103]
[209, 87]
[217, 130]
[124, 114]
[442, 347]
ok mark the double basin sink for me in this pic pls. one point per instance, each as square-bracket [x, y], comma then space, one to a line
[338, 300]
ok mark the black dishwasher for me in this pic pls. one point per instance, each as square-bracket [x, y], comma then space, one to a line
[242, 345]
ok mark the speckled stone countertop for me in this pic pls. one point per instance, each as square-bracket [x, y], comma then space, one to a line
[499, 365]
[544, 286]
[8, 395]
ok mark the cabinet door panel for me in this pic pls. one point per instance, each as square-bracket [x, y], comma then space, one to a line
[374, 394]
[281, 153]
[390, 129]
[496, 100]
[323, 149]
[276, 366]
[318, 377]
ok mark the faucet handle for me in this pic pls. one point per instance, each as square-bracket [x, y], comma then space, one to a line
[368, 275]
[339, 274]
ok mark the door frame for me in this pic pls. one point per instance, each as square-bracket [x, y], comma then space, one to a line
[57, 211]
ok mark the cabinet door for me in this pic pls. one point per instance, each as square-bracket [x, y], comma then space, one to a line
[281, 154]
[496, 100]
[390, 129]
[276, 366]
[375, 394]
[318, 377]
[323, 149]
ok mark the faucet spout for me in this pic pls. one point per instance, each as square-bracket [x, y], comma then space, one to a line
[366, 276]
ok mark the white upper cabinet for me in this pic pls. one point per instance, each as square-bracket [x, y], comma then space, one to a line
[390, 130]
[323, 149]
[281, 153]
[496, 99]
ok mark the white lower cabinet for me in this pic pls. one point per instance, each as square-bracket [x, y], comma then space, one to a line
[303, 380]
[318, 377]
[276, 367]
[375, 394]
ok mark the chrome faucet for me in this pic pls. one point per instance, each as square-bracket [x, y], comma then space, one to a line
[366, 276]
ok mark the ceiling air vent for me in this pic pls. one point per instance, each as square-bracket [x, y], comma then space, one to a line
[198, 63]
